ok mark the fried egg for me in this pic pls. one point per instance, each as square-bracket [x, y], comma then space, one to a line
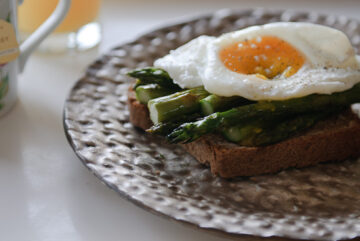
[275, 61]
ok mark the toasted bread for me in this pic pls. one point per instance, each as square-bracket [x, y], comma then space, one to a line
[334, 139]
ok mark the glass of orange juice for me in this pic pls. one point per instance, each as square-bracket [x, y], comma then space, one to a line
[79, 31]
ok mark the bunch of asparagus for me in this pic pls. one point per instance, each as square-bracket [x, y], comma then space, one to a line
[183, 115]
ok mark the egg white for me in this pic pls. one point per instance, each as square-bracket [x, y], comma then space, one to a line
[186, 64]
[330, 63]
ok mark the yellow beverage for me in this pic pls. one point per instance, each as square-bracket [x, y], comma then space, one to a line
[34, 12]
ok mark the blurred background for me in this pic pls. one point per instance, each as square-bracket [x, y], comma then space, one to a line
[121, 20]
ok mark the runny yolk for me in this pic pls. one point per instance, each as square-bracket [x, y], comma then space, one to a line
[265, 56]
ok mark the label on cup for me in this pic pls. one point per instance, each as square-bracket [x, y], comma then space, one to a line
[9, 47]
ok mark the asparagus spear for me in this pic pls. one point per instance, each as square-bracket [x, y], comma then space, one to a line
[153, 76]
[214, 103]
[261, 132]
[188, 132]
[164, 128]
[172, 106]
[144, 93]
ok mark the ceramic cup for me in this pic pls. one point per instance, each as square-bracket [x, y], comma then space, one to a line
[9, 70]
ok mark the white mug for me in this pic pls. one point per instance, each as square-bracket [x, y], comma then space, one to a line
[10, 70]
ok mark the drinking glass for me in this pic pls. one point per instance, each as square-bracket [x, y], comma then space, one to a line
[79, 31]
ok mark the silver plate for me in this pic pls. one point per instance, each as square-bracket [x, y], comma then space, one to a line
[322, 202]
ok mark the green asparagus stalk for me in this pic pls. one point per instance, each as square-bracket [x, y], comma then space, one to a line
[215, 103]
[178, 104]
[164, 128]
[144, 93]
[153, 76]
[259, 133]
[188, 132]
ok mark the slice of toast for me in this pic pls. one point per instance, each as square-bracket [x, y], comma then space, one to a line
[334, 139]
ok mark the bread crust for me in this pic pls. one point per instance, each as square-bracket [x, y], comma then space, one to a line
[334, 139]
[139, 113]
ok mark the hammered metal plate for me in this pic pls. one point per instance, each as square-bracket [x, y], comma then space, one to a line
[322, 202]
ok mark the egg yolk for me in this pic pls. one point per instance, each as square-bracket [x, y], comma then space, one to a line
[265, 56]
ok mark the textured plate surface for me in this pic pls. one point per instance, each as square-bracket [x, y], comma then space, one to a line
[322, 202]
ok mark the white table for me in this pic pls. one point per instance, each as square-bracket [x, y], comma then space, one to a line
[46, 193]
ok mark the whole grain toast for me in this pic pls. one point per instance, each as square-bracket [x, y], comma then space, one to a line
[334, 139]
